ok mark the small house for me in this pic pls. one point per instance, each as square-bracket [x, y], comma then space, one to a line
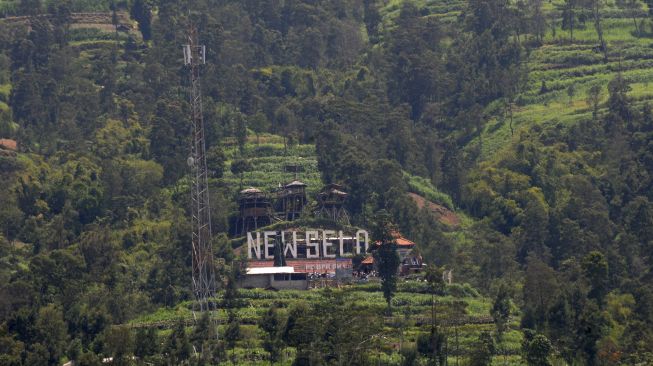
[274, 277]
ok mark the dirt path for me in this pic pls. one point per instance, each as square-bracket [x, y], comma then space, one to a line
[440, 213]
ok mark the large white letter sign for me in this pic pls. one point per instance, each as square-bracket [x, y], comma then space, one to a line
[342, 243]
[268, 244]
[251, 244]
[326, 243]
[292, 247]
[358, 243]
[310, 235]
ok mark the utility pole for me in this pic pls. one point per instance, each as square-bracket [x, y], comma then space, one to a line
[204, 283]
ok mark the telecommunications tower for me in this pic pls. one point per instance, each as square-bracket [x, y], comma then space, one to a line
[204, 284]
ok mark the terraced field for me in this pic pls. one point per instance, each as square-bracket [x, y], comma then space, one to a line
[10, 7]
[462, 315]
[561, 62]
[568, 69]
[269, 158]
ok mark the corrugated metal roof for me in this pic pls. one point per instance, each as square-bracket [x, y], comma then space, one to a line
[250, 190]
[270, 270]
[296, 183]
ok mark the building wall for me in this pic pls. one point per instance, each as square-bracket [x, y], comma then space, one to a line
[255, 281]
[290, 285]
[309, 265]
[267, 280]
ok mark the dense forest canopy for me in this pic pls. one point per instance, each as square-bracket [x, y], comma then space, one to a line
[529, 121]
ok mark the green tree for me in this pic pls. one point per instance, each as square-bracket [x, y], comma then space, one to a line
[593, 99]
[120, 343]
[596, 7]
[146, 343]
[74, 350]
[239, 167]
[240, 125]
[271, 325]
[385, 256]
[618, 100]
[89, 359]
[571, 91]
[29, 7]
[633, 8]
[203, 336]
[178, 347]
[540, 290]
[279, 257]
[259, 124]
[295, 330]
[141, 11]
[38, 355]
[595, 269]
[649, 4]
[482, 350]
[51, 331]
[433, 277]
[215, 161]
[537, 19]
[432, 346]
[569, 17]
[372, 19]
[232, 334]
[538, 351]
[592, 326]
[286, 122]
[230, 297]
[501, 312]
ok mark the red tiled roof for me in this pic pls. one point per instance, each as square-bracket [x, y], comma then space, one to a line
[401, 241]
[9, 144]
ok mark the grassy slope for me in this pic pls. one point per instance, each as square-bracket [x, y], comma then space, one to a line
[10, 7]
[268, 158]
[550, 63]
[561, 63]
[415, 306]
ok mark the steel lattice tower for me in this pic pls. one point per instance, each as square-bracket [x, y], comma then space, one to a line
[204, 284]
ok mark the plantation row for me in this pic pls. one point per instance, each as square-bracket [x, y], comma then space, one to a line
[462, 316]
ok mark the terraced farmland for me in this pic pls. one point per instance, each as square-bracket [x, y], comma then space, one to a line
[462, 315]
[269, 158]
[561, 71]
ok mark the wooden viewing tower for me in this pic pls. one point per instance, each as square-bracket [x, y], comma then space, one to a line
[255, 210]
[331, 202]
[292, 199]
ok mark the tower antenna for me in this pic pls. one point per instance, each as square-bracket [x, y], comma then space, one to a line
[204, 283]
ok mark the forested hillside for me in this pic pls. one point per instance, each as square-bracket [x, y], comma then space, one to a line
[529, 120]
